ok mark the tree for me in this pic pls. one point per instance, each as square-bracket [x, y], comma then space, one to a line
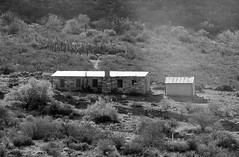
[203, 118]
[54, 23]
[33, 95]
[76, 25]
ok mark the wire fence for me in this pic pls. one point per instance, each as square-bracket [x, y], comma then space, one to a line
[80, 48]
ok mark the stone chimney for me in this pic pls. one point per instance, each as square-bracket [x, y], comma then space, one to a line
[106, 86]
[107, 73]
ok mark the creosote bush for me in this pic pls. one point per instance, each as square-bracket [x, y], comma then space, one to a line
[219, 143]
[106, 147]
[133, 148]
[6, 69]
[52, 148]
[41, 128]
[203, 118]
[34, 95]
[84, 132]
[57, 108]
[22, 140]
[151, 133]
[5, 117]
[102, 112]
[180, 146]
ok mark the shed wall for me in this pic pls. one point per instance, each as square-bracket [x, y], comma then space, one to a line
[180, 89]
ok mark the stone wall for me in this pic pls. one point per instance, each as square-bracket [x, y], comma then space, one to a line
[105, 85]
[141, 86]
[70, 84]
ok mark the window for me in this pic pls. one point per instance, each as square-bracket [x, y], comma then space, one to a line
[95, 83]
[134, 82]
[120, 83]
[62, 83]
[78, 82]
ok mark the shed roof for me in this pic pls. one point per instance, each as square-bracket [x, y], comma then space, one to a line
[179, 80]
[128, 73]
[79, 74]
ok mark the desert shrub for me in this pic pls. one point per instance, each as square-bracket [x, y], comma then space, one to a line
[237, 94]
[11, 24]
[84, 132]
[226, 141]
[211, 150]
[92, 97]
[186, 38]
[178, 146]
[128, 38]
[7, 18]
[133, 148]
[57, 108]
[137, 105]
[203, 118]
[4, 116]
[135, 93]
[22, 140]
[76, 25]
[215, 109]
[165, 104]
[216, 144]
[118, 141]
[106, 147]
[3, 151]
[79, 146]
[93, 57]
[143, 37]
[101, 24]
[41, 128]
[110, 32]
[83, 19]
[72, 27]
[151, 133]
[102, 112]
[33, 95]
[54, 22]
[52, 148]
[151, 152]
[122, 25]
[100, 37]
[6, 69]
[192, 143]
[200, 87]
[225, 88]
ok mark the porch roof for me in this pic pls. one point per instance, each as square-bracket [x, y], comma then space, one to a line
[79, 74]
[128, 73]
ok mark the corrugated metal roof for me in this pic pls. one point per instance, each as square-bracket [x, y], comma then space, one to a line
[128, 73]
[79, 74]
[179, 80]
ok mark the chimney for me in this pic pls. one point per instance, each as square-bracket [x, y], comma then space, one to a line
[107, 73]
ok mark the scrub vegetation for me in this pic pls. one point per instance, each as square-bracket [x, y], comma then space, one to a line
[166, 37]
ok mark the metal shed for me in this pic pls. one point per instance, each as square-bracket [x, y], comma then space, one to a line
[180, 86]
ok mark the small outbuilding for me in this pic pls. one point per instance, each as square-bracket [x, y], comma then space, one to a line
[180, 86]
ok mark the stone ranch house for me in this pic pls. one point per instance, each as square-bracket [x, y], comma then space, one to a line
[102, 81]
